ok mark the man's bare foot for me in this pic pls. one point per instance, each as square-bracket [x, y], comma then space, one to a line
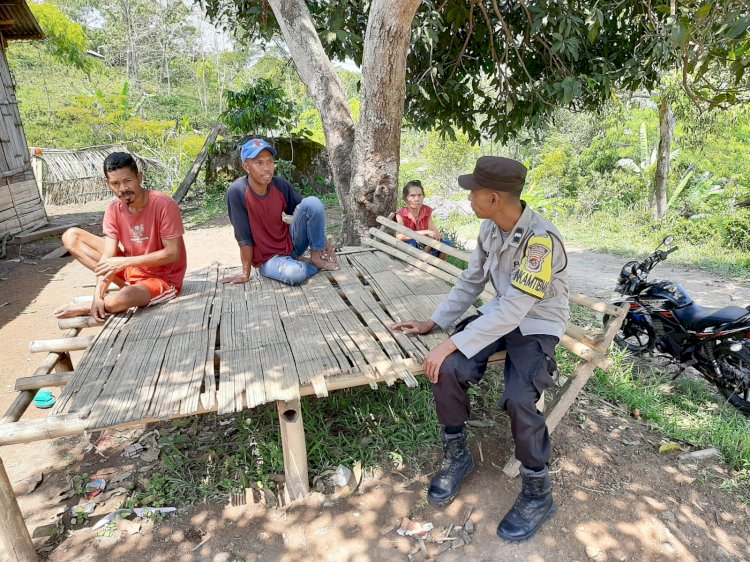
[324, 261]
[71, 310]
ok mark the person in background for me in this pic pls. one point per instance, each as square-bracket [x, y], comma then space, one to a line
[418, 217]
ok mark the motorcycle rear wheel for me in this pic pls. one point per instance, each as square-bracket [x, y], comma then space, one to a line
[739, 396]
[636, 336]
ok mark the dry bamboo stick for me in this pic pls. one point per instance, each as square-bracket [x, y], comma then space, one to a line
[41, 381]
[416, 252]
[18, 407]
[424, 266]
[52, 427]
[594, 304]
[419, 264]
[61, 345]
[451, 251]
[594, 341]
[585, 352]
[78, 322]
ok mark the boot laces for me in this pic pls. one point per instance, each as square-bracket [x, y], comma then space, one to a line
[453, 451]
[524, 505]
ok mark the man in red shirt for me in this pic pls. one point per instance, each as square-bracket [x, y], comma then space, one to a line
[142, 251]
[257, 204]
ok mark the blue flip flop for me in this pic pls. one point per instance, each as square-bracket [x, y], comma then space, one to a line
[44, 399]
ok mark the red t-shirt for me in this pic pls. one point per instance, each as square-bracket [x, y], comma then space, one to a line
[270, 234]
[423, 220]
[142, 234]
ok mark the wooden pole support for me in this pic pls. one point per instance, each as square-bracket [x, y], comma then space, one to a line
[594, 304]
[78, 322]
[42, 381]
[14, 534]
[52, 427]
[419, 264]
[450, 250]
[18, 407]
[416, 252]
[295, 451]
[60, 345]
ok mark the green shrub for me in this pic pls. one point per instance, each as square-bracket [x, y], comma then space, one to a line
[735, 230]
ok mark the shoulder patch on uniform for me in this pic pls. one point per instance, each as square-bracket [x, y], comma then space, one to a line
[535, 271]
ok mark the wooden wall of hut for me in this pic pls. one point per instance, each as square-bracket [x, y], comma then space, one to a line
[21, 206]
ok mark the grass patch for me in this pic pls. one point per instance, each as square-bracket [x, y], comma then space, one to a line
[215, 456]
[630, 236]
[684, 409]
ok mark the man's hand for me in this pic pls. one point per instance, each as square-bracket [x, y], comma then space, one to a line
[236, 279]
[98, 312]
[434, 359]
[109, 266]
[414, 326]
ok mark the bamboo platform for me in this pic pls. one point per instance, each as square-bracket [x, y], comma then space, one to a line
[226, 348]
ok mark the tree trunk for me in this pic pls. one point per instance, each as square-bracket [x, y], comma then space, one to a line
[317, 72]
[666, 129]
[364, 162]
[375, 163]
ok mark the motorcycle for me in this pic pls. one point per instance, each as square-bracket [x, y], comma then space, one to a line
[663, 318]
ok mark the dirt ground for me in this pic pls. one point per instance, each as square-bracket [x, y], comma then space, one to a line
[618, 499]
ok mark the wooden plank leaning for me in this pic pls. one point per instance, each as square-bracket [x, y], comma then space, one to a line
[13, 532]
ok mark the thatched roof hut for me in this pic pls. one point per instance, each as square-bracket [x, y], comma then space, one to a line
[21, 206]
[76, 176]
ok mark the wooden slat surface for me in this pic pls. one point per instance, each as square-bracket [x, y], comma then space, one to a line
[231, 347]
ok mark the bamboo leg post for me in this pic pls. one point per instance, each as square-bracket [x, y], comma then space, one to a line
[18, 407]
[13, 531]
[295, 452]
[64, 364]
[24, 399]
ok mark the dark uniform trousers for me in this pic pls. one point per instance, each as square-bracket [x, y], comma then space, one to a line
[529, 366]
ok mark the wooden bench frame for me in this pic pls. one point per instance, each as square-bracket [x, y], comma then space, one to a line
[57, 369]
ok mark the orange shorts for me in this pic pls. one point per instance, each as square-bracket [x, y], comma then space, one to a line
[160, 290]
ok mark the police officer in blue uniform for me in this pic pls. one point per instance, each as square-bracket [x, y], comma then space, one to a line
[523, 256]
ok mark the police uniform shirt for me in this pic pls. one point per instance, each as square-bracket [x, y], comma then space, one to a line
[528, 272]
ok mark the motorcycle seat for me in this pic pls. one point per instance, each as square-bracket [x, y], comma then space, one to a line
[698, 318]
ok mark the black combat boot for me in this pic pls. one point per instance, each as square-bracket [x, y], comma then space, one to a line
[533, 507]
[457, 464]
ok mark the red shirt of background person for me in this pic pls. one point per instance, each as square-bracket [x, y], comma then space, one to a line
[417, 216]
[149, 227]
